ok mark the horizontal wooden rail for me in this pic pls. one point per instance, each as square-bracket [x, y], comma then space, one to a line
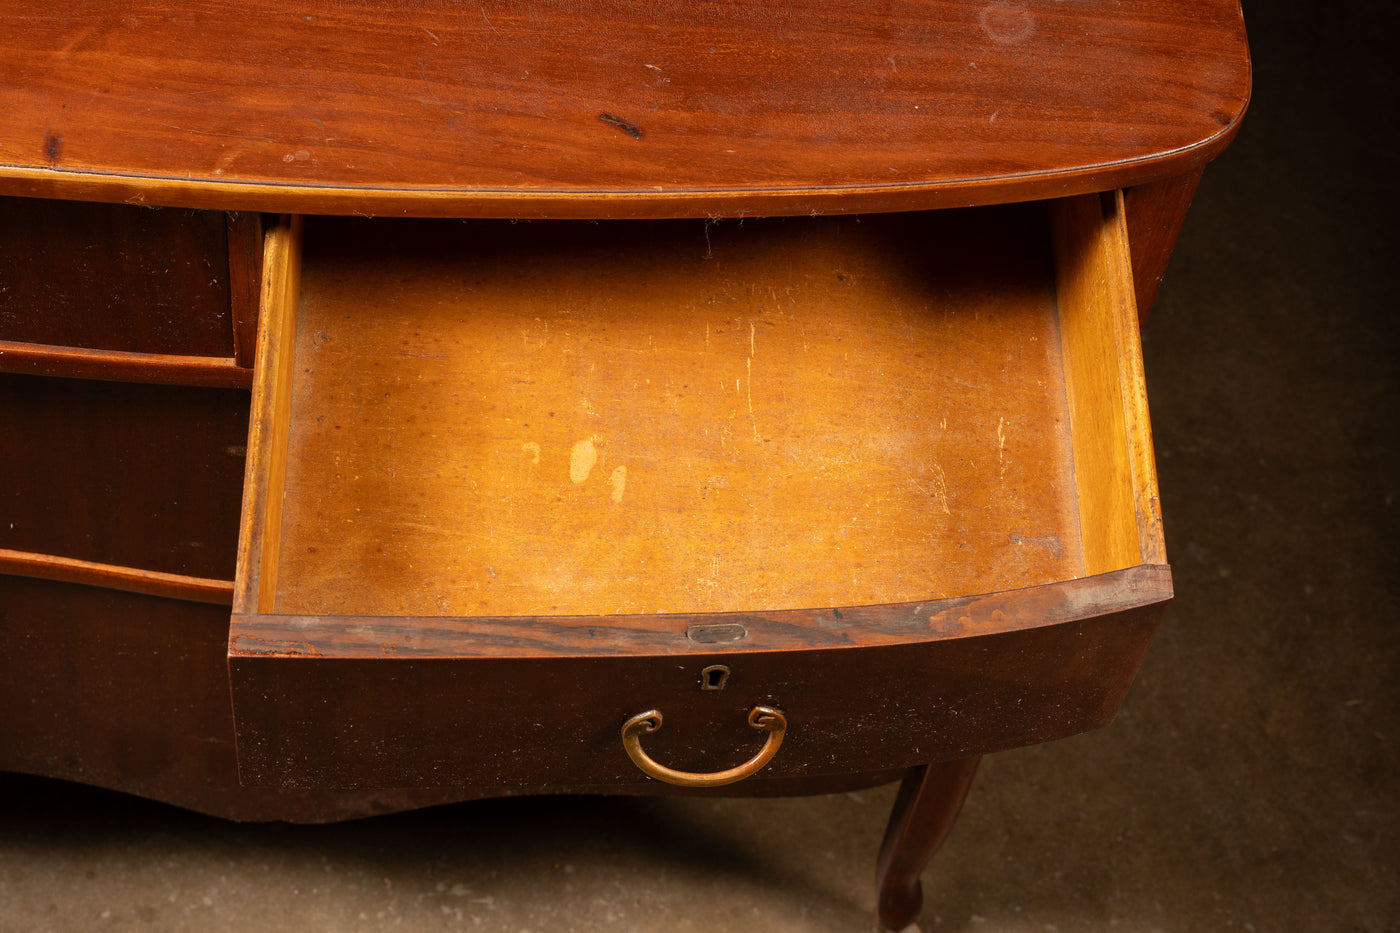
[122, 366]
[112, 577]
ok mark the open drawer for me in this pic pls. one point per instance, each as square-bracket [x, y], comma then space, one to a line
[511, 485]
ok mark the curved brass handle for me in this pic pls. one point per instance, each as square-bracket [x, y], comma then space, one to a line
[763, 718]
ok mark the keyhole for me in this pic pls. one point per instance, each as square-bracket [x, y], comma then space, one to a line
[714, 677]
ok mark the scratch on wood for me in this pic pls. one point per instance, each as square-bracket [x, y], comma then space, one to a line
[628, 127]
[1001, 447]
[752, 420]
[252, 645]
[1051, 543]
[256, 138]
[426, 84]
[940, 489]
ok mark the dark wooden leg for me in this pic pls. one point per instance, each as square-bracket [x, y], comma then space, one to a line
[924, 812]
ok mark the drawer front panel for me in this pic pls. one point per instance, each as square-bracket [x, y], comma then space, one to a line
[140, 476]
[115, 277]
[304, 721]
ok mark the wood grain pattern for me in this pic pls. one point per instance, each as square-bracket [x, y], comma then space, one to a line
[259, 535]
[630, 108]
[565, 419]
[1114, 472]
[444, 638]
[131, 692]
[127, 474]
[1155, 213]
[306, 721]
[120, 366]
[1147, 503]
[114, 277]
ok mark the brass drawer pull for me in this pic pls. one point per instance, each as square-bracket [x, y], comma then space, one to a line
[763, 718]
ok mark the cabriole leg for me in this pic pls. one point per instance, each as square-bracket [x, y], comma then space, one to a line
[924, 812]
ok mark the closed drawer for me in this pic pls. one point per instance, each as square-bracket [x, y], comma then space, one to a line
[115, 277]
[146, 477]
[511, 485]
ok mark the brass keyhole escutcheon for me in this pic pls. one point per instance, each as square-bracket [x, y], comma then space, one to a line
[714, 677]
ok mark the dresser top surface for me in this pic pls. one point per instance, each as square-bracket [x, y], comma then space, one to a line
[513, 108]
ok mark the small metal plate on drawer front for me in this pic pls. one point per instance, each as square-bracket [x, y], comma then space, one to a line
[714, 634]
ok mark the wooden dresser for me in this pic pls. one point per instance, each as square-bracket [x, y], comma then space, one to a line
[625, 397]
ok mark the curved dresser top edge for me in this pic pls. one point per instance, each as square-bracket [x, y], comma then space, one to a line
[615, 111]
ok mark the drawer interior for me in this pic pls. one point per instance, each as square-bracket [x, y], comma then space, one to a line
[568, 418]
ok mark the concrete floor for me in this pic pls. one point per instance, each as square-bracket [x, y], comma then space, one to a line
[1248, 784]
